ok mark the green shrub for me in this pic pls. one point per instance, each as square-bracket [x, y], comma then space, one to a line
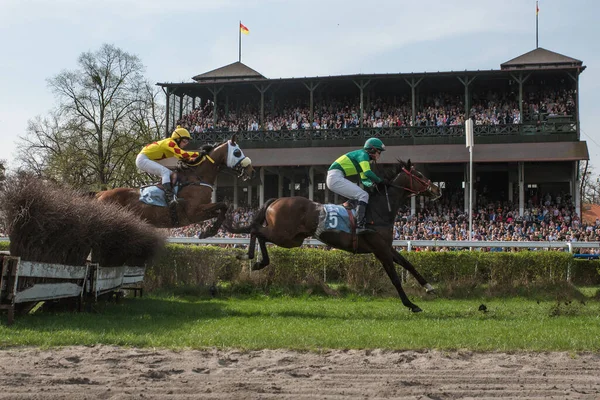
[307, 267]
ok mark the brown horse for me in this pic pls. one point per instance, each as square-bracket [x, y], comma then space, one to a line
[287, 221]
[195, 181]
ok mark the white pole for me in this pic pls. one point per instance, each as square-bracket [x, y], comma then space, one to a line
[470, 143]
[470, 192]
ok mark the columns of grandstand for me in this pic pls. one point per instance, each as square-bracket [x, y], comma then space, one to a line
[575, 185]
[311, 183]
[521, 174]
[261, 187]
[235, 193]
[279, 184]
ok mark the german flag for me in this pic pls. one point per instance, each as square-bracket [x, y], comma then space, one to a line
[243, 29]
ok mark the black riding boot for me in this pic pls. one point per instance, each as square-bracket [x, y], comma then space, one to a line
[169, 195]
[361, 210]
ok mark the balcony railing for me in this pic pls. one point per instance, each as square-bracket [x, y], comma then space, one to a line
[405, 132]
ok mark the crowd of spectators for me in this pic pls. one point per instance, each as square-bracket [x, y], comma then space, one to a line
[550, 218]
[547, 219]
[550, 103]
[441, 109]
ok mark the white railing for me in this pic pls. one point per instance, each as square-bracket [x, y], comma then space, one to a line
[409, 244]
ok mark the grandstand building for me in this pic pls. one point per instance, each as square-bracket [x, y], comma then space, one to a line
[526, 114]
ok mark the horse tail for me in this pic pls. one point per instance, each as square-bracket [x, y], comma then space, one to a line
[256, 221]
[260, 216]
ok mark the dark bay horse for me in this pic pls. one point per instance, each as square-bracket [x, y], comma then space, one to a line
[287, 221]
[196, 182]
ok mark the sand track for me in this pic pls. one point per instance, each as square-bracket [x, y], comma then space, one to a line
[106, 372]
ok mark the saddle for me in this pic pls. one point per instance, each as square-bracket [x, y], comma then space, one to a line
[154, 195]
[350, 205]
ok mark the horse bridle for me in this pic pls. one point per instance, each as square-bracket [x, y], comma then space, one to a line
[425, 183]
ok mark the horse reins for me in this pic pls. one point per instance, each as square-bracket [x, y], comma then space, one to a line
[426, 184]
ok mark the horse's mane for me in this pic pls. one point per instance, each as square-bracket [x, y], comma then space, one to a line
[389, 171]
[207, 148]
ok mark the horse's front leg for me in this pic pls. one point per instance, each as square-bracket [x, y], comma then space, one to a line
[399, 259]
[387, 260]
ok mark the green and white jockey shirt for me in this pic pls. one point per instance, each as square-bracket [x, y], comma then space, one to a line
[357, 162]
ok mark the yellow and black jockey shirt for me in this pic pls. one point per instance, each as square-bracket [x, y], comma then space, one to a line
[167, 148]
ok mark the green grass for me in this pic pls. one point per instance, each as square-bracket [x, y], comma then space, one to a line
[314, 322]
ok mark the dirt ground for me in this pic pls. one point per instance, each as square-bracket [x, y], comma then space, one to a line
[105, 372]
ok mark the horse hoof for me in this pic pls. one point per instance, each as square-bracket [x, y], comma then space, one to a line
[416, 309]
[429, 288]
[257, 266]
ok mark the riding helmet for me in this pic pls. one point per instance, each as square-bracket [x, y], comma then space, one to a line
[181, 133]
[374, 144]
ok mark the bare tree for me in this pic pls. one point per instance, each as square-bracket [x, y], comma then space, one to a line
[590, 184]
[106, 112]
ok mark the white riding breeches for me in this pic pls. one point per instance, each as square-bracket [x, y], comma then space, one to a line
[337, 183]
[152, 167]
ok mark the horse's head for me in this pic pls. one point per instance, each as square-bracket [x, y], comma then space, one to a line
[414, 182]
[237, 161]
[230, 155]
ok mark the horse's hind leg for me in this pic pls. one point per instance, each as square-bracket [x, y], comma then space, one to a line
[252, 246]
[399, 259]
[387, 260]
[250, 254]
[264, 260]
[218, 210]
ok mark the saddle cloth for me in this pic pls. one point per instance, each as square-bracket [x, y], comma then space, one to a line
[154, 196]
[334, 217]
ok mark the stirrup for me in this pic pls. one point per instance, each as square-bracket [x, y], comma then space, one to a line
[363, 229]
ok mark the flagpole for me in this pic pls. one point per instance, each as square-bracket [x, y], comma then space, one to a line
[537, 10]
[240, 41]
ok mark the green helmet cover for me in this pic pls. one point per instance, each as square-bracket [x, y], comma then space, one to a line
[374, 144]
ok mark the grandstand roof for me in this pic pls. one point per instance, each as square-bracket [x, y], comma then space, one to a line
[235, 71]
[541, 58]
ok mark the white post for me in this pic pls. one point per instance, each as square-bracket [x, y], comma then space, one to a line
[470, 193]
[413, 205]
[470, 143]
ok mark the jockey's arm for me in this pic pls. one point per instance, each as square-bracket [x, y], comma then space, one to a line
[180, 153]
[369, 173]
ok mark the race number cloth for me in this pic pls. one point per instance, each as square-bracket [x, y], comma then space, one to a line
[333, 218]
[154, 196]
